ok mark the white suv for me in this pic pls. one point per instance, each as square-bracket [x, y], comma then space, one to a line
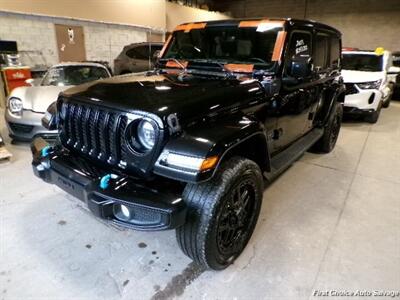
[368, 87]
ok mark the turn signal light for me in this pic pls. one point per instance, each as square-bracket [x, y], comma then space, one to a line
[209, 163]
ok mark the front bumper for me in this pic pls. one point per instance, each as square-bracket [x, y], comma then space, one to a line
[364, 100]
[28, 126]
[348, 110]
[151, 206]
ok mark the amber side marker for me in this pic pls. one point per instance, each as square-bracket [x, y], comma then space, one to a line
[208, 163]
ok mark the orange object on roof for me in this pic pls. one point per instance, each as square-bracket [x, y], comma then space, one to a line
[257, 23]
[190, 26]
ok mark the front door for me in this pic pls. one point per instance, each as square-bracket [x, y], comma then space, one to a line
[70, 43]
[297, 94]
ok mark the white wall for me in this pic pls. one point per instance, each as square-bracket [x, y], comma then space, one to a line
[102, 41]
[149, 13]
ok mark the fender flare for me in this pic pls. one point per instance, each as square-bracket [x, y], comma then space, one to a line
[248, 140]
[337, 95]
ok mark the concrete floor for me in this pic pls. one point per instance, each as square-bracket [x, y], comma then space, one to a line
[331, 222]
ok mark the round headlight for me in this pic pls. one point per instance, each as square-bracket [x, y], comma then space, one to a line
[146, 134]
[15, 105]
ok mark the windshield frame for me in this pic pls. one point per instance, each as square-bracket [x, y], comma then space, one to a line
[225, 64]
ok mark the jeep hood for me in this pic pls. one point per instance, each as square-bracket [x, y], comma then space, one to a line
[37, 98]
[361, 76]
[188, 96]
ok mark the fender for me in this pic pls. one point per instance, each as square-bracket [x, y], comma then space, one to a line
[236, 135]
[335, 93]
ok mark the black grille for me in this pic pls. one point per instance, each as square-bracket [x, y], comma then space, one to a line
[21, 128]
[95, 132]
[351, 89]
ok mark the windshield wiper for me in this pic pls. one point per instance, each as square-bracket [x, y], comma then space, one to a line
[228, 72]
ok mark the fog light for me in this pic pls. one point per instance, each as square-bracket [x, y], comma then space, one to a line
[122, 212]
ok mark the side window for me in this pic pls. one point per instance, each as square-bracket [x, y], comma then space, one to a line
[155, 48]
[321, 51]
[335, 51]
[299, 47]
[141, 52]
[131, 53]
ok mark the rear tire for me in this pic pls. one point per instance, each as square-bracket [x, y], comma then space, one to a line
[222, 214]
[331, 131]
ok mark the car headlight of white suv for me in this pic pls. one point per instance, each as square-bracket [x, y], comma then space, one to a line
[15, 105]
[371, 85]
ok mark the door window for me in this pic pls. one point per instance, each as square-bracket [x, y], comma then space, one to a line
[299, 47]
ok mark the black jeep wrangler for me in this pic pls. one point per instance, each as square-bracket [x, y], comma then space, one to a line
[188, 146]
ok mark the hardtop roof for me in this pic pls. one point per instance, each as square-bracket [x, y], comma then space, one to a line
[289, 21]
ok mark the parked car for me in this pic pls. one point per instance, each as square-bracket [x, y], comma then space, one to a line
[395, 70]
[188, 145]
[27, 105]
[368, 87]
[137, 57]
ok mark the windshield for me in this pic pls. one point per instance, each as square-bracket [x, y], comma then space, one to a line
[73, 75]
[225, 44]
[362, 62]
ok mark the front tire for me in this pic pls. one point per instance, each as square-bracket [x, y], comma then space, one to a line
[374, 116]
[331, 131]
[222, 214]
[386, 104]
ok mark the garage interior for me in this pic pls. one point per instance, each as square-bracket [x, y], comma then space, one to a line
[329, 224]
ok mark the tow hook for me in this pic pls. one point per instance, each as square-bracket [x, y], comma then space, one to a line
[105, 180]
[46, 150]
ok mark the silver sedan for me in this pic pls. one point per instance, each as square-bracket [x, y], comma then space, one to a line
[26, 106]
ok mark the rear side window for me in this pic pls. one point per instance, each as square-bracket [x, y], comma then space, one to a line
[321, 51]
[141, 52]
[335, 51]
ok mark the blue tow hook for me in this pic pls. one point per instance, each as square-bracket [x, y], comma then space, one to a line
[105, 180]
[45, 151]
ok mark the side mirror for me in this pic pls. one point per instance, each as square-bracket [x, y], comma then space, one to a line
[300, 67]
[49, 121]
[394, 70]
[30, 81]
